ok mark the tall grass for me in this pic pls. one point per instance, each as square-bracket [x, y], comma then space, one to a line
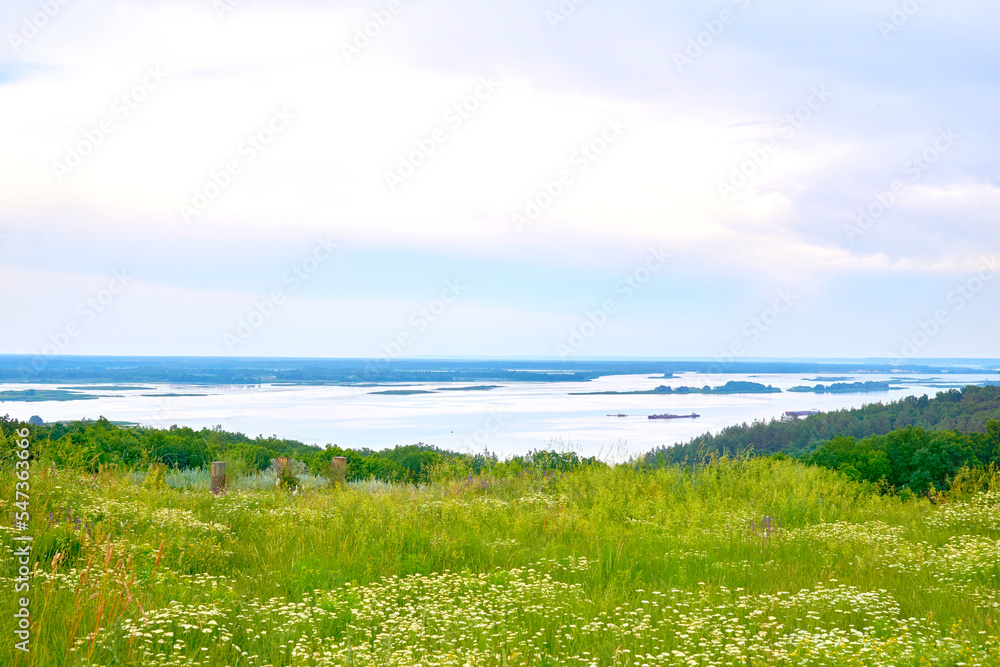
[763, 561]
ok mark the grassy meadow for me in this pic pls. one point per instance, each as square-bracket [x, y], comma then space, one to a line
[739, 562]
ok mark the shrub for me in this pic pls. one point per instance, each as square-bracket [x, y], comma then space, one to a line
[156, 478]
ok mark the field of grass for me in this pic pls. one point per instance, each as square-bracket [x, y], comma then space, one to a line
[746, 562]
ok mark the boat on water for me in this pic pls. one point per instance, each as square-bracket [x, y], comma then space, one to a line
[618, 415]
[693, 415]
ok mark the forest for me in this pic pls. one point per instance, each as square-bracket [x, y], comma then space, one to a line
[910, 458]
[90, 445]
[966, 410]
[917, 444]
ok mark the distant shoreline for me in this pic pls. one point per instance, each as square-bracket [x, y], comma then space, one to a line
[207, 371]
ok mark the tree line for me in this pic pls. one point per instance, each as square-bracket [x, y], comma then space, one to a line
[912, 457]
[917, 444]
[90, 444]
[966, 410]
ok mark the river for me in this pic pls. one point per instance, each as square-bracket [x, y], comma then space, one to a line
[511, 419]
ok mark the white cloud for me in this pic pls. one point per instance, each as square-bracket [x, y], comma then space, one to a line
[656, 184]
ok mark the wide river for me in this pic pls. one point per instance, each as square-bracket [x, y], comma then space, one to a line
[511, 419]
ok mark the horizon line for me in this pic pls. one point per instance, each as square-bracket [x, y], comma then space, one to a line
[882, 360]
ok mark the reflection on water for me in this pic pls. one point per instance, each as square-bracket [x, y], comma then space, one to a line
[509, 420]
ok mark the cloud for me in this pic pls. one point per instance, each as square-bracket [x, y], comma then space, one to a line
[389, 104]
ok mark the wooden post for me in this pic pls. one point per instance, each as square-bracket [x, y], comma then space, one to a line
[338, 470]
[218, 477]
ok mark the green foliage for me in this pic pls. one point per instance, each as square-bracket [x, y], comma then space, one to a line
[859, 460]
[87, 445]
[843, 388]
[967, 411]
[731, 387]
[156, 479]
[287, 479]
[970, 481]
[756, 560]
[911, 457]
[449, 470]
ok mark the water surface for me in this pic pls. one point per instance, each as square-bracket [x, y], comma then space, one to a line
[512, 419]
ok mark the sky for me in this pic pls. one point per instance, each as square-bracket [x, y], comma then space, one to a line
[726, 179]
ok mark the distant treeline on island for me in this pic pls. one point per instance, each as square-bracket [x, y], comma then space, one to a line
[846, 388]
[731, 387]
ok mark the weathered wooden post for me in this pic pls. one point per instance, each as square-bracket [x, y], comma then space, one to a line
[338, 470]
[218, 477]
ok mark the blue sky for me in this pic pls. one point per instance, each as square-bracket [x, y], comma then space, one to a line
[210, 151]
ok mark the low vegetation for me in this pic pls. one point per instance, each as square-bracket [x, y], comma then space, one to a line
[882, 549]
[752, 561]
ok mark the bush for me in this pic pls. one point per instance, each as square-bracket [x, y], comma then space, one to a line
[287, 480]
[287, 477]
[156, 478]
